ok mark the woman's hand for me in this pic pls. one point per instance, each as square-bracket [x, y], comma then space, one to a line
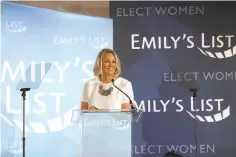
[93, 108]
[126, 107]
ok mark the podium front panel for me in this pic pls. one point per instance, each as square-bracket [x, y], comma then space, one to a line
[106, 134]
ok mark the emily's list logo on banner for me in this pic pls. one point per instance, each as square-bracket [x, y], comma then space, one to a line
[205, 45]
[15, 26]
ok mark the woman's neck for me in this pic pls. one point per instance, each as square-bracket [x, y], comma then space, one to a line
[106, 78]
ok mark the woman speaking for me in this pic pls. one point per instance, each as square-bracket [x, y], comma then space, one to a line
[99, 92]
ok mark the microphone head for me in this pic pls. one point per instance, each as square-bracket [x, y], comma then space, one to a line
[112, 80]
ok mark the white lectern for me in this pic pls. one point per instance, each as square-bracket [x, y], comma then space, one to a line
[106, 133]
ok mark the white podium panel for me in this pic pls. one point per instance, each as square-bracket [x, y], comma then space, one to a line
[105, 133]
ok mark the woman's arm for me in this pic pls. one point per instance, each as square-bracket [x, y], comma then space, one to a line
[85, 96]
[128, 89]
[126, 106]
[84, 105]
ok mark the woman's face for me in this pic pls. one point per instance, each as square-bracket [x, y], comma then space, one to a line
[108, 64]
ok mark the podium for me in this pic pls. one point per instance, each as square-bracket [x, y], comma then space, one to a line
[105, 133]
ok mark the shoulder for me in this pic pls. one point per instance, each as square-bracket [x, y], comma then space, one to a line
[122, 81]
[92, 81]
[126, 86]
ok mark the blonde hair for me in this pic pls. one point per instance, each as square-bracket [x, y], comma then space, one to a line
[98, 63]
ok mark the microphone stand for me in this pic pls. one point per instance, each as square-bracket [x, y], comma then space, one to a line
[24, 90]
[130, 101]
[194, 91]
[132, 108]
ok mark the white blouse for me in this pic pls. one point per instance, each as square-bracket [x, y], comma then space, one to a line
[115, 100]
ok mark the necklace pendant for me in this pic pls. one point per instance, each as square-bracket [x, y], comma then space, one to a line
[105, 92]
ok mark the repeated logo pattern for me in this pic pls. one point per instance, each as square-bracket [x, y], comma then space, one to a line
[212, 118]
[220, 55]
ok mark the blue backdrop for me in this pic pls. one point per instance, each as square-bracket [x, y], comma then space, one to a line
[70, 42]
[197, 41]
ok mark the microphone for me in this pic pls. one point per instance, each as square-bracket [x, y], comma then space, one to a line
[130, 101]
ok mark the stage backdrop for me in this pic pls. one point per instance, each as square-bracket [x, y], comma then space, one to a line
[70, 42]
[197, 42]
